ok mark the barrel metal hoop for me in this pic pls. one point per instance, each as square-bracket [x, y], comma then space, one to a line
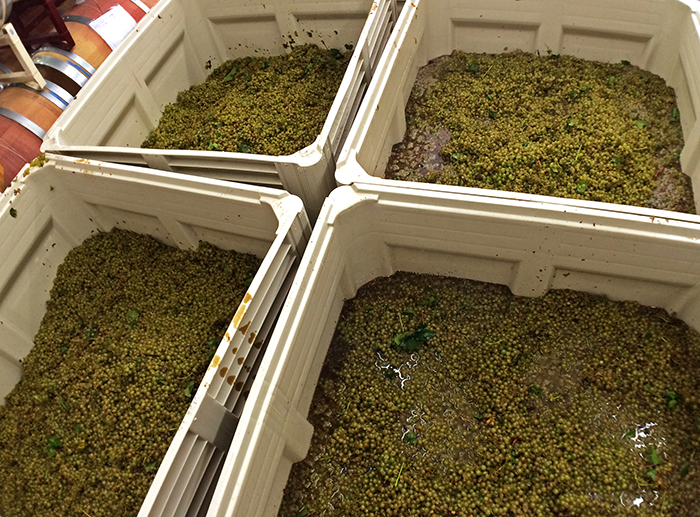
[4, 69]
[51, 97]
[70, 55]
[59, 92]
[77, 19]
[23, 121]
[52, 92]
[141, 5]
[69, 71]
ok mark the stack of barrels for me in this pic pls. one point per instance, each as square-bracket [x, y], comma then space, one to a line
[26, 114]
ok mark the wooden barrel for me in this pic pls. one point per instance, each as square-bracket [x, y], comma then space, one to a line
[5, 10]
[71, 69]
[25, 116]
[93, 9]
[8, 61]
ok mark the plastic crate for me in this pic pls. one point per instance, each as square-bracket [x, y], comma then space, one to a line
[49, 211]
[173, 48]
[367, 231]
[661, 36]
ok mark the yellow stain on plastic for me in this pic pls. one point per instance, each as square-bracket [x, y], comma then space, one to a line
[247, 298]
[215, 362]
[239, 315]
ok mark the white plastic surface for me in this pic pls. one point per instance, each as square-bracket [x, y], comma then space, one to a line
[66, 201]
[367, 231]
[662, 36]
[174, 47]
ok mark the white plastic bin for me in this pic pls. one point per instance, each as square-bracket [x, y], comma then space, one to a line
[368, 231]
[174, 47]
[661, 36]
[51, 210]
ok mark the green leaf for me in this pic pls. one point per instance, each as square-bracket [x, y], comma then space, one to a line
[304, 511]
[654, 457]
[231, 74]
[641, 124]
[535, 390]
[625, 62]
[474, 68]
[90, 333]
[673, 399]
[64, 350]
[612, 80]
[629, 434]
[160, 380]
[675, 115]
[685, 469]
[584, 88]
[78, 428]
[13, 212]
[492, 114]
[64, 405]
[55, 442]
[148, 467]
[410, 313]
[51, 451]
[488, 95]
[581, 186]
[243, 148]
[213, 146]
[410, 438]
[248, 281]
[132, 316]
[652, 474]
[188, 389]
[430, 301]
[413, 341]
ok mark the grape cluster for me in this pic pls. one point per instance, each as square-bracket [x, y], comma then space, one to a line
[264, 105]
[129, 330]
[565, 405]
[551, 125]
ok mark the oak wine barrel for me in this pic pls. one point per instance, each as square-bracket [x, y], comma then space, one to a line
[25, 116]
